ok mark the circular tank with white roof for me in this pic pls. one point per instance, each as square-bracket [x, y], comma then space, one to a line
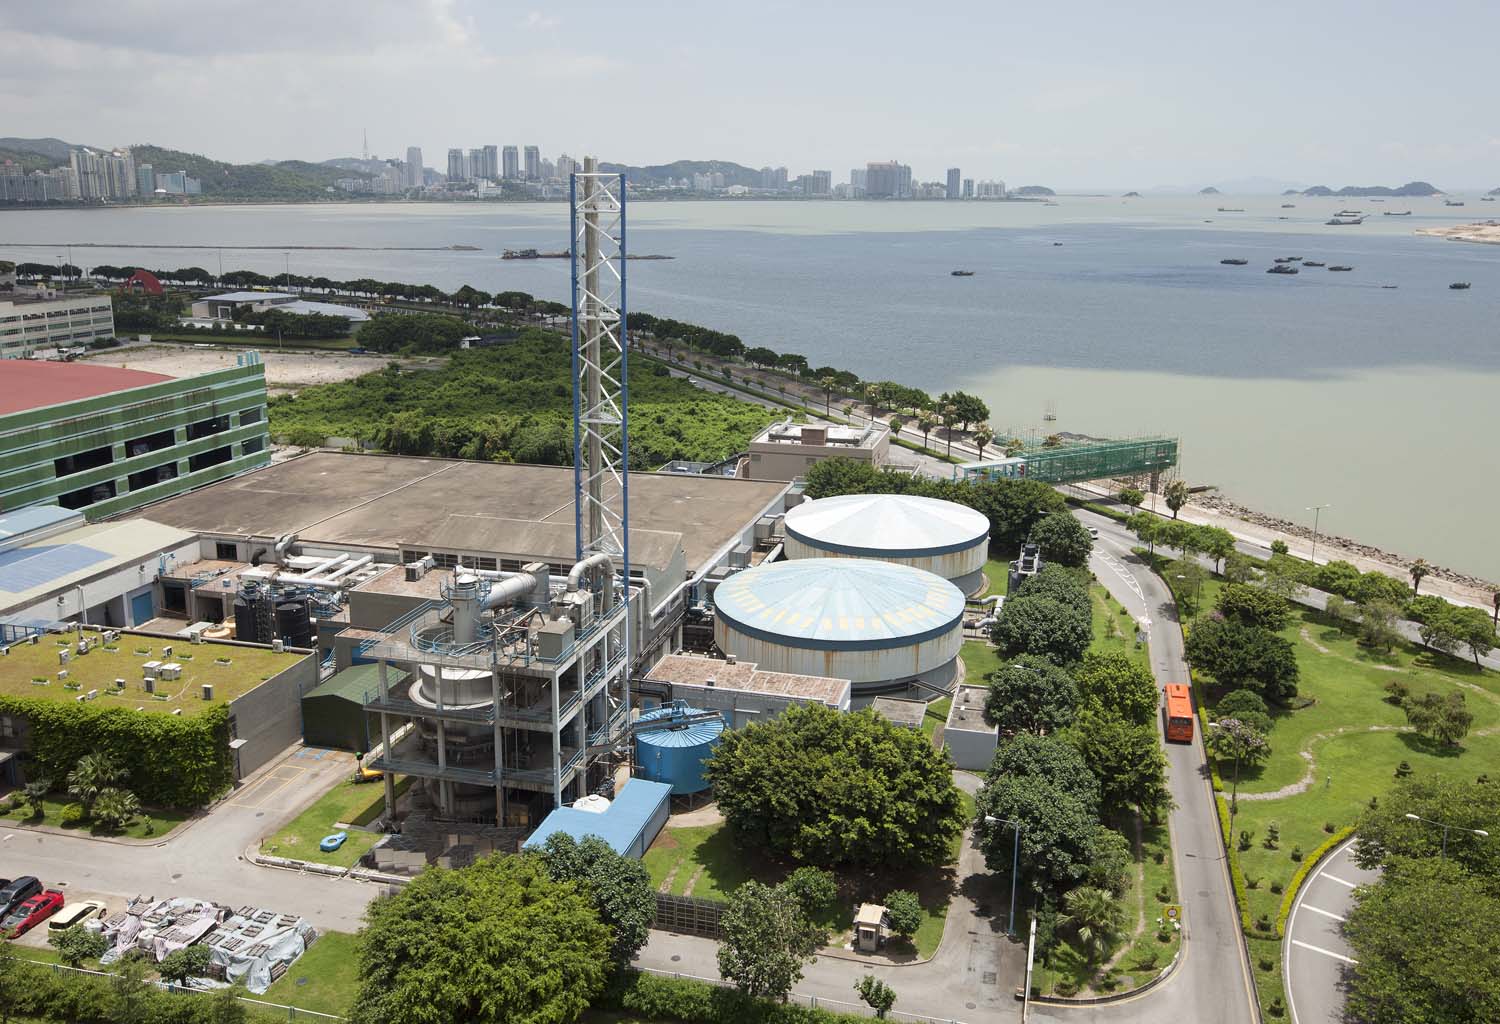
[880, 625]
[942, 537]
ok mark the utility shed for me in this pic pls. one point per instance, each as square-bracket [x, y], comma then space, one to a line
[333, 715]
[629, 826]
[906, 714]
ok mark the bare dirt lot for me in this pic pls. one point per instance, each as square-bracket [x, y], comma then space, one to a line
[285, 371]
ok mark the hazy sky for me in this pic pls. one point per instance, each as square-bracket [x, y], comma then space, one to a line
[1106, 94]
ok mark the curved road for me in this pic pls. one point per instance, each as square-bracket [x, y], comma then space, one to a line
[1315, 955]
[1212, 982]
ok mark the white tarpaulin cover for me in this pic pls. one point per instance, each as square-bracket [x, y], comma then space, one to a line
[158, 927]
[256, 946]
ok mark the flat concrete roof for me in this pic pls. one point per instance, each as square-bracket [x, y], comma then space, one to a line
[906, 713]
[33, 384]
[968, 710]
[34, 571]
[393, 502]
[692, 670]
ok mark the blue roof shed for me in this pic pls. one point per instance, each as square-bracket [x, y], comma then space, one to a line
[630, 825]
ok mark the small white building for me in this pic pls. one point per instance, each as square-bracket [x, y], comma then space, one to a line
[221, 307]
[970, 739]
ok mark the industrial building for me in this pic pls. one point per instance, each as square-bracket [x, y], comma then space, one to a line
[941, 537]
[970, 739]
[32, 325]
[107, 440]
[672, 742]
[219, 308]
[56, 568]
[628, 823]
[885, 627]
[787, 449]
[738, 690]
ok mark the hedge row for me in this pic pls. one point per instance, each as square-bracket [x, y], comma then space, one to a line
[1308, 863]
[658, 998]
[1236, 874]
[173, 761]
[35, 992]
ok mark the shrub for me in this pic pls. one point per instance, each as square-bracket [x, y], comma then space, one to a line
[1273, 836]
[181, 964]
[1277, 1007]
[1402, 771]
[1252, 882]
[1276, 887]
[1296, 853]
[1246, 837]
[71, 814]
[77, 944]
[1278, 547]
[1328, 827]
[815, 889]
[904, 910]
[1163, 894]
[1065, 987]
[1265, 963]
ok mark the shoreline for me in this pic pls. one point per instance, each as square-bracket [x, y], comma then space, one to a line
[1484, 232]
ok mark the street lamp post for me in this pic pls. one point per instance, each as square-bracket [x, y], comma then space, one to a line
[1015, 862]
[1481, 833]
[1317, 511]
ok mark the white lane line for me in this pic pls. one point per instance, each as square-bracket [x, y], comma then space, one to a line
[1325, 952]
[1325, 913]
[1336, 878]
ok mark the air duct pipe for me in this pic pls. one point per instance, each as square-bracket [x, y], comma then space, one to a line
[575, 575]
[324, 565]
[282, 547]
[346, 569]
[508, 591]
[470, 600]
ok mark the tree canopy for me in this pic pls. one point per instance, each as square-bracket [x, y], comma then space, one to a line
[825, 788]
[767, 940]
[1063, 539]
[1062, 584]
[1254, 606]
[1127, 760]
[1030, 694]
[1238, 655]
[1049, 759]
[620, 887]
[1041, 626]
[1114, 684]
[495, 942]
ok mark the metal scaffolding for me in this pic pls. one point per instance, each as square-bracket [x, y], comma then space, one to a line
[1072, 461]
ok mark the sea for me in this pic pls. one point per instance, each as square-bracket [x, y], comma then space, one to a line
[1375, 392]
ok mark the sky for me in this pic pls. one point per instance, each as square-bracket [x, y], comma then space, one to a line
[1095, 94]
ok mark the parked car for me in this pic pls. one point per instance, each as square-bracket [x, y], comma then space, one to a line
[74, 914]
[30, 913]
[1094, 532]
[18, 890]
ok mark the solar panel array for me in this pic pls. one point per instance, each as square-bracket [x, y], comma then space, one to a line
[25, 568]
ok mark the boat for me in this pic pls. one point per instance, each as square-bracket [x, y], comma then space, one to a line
[1313, 263]
[1459, 286]
[1287, 259]
[961, 273]
[1486, 199]
[1283, 268]
[1344, 219]
[1057, 243]
[1390, 287]
[1231, 209]
[1340, 268]
[1392, 213]
[1350, 213]
[1453, 202]
[1234, 262]
[1288, 206]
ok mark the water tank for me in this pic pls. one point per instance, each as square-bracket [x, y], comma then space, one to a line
[246, 625]
[293, 625]
[674, 754]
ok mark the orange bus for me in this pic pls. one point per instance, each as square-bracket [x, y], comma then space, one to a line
[1178, 710]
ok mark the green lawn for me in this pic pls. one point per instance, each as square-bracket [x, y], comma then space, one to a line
[348, 802]
[323, 979]
[255, 339]
[151, 822]
[980, 659]
[1114, 628]
[935, 715]
[30, 670]
[998, 573]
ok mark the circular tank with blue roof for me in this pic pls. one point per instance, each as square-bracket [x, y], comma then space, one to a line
[672, 742]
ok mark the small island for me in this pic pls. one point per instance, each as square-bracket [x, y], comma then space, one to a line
[1033, 190]
[1484, 232]
[1210, 191]
[1411, 188]
[1131, 195]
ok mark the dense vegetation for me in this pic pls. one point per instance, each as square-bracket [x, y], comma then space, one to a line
[287, 179]
[819, 787]
[1427, 935]
[513, 403]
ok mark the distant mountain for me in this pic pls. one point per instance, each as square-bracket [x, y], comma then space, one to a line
[734, 174]
[350, 163]
[1291, 192]
[1210, 191]
[1033, 190]
[1493, 192]
[1411, 188]
[1131, 195]
[283, 180]
[55, 150]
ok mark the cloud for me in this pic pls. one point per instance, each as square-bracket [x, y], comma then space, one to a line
[538, 20]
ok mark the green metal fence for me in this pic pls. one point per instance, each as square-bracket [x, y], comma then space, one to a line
[1072, 461]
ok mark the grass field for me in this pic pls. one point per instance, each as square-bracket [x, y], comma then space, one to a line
[980, 659]
[323, 979]
[150, 823]
[247, 668]
[257, 340]
[1114, 628]
[935, 715]
[998, 573]
[347, 802]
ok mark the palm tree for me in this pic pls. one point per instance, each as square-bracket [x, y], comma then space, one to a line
[1096, 917]
[872, 395]
[116, 808]
[896, 423]
[827, 384]
[1419, 569]
[1495, 600]
[1177, 496]
[983, 436]
[925, 423]
[950, 417]
[91, 776]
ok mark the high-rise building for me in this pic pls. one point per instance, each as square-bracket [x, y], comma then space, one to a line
[954, 183]
[888, 180]
[533, 163]
[511, 164]
[145, 179]
[820, 183]
[968, 188]
[456, 165]
[857, 179]
[89, 170]
[566, 166]
[491, 163]
[474, 166]
[548, 170]
[414, 172]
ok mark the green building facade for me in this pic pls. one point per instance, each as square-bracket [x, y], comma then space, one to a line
[114, 452]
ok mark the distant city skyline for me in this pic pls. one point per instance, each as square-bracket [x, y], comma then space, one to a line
[1109, 98]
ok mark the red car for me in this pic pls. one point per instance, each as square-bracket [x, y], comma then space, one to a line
[31, 913]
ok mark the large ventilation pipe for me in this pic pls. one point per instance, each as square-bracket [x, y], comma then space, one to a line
[508, 591]
[326, 564]
[348, 567]
[282, 546]
[601, 559]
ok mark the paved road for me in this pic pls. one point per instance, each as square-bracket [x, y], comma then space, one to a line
[206, 858]
[1212, 982]
[973, 976]
[1315, 956]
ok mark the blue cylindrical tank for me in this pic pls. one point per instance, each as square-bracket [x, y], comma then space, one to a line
[674, 754]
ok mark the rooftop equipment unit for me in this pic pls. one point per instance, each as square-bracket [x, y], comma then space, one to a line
[149, 685]
[208, 691]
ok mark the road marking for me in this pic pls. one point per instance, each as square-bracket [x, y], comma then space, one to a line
[1325, 913]
[1325, 952]
[1336, 878]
